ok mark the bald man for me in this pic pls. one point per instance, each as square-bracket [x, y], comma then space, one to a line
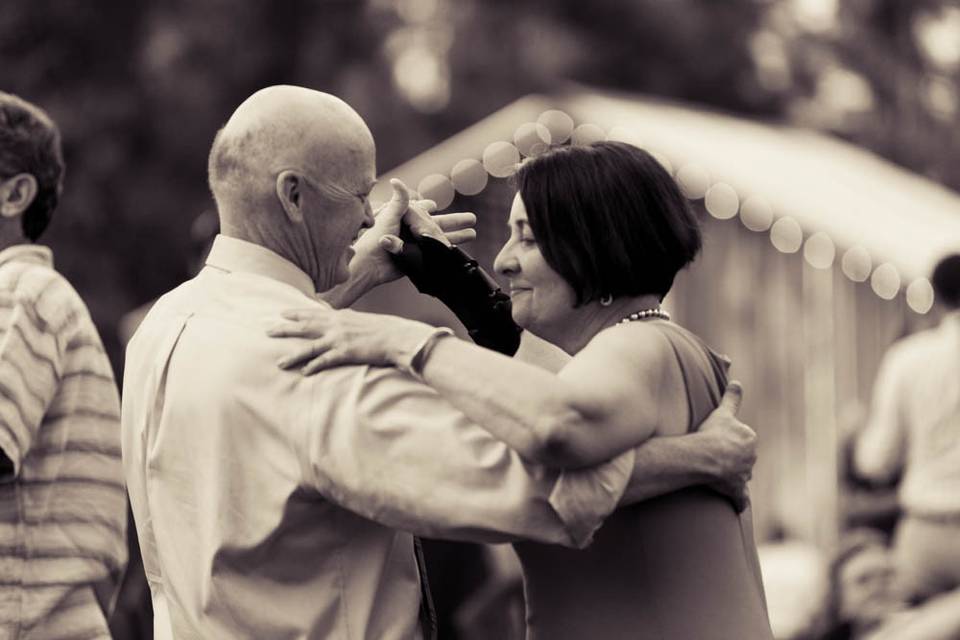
[274, 505]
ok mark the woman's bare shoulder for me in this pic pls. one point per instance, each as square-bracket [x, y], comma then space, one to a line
[644, 342]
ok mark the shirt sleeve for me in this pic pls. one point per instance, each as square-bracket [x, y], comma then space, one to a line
[390, 449]
[880, 446]
[29, 374]
[584, 498]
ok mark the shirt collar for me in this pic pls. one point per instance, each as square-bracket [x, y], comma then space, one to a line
[233, 254]
[35, 253]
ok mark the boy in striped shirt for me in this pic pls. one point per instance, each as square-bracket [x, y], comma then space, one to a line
[62, 498]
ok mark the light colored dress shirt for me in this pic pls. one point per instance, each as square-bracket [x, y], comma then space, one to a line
[273, 505]
[915, 420]
[63, 512]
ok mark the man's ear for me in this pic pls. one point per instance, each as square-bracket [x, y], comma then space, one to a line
[17, 194]
[289, 191]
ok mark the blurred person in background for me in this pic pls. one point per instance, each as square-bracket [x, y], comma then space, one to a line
[597, 235]
[269, 504]
[913, 429]
[861, 577]
[866, 602]
[62, 499]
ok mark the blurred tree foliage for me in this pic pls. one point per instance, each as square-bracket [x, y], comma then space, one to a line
[140, 87]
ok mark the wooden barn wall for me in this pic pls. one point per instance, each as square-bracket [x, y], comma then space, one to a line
[806, 344]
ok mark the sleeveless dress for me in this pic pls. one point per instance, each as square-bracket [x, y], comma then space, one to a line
[682, 566]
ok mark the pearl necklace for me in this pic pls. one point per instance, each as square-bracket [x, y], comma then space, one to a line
[655, 312]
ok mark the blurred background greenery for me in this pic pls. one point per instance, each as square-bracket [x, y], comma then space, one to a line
[140, 87]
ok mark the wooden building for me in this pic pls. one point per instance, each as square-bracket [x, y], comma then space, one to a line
[815, 259]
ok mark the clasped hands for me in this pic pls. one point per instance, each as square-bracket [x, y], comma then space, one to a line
[372, 261]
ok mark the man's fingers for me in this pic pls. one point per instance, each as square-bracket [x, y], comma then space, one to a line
[423, 225]
[427, 206]
[455, 221]
[391, 244]
[461, 237]
[399, 201]
[732, 397]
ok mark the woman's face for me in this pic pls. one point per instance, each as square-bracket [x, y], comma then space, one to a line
[541, 298]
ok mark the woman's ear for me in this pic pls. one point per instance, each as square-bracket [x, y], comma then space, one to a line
[289, 191]
[17, 194]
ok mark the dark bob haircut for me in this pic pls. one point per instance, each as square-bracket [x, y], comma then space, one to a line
[609, 219]
[946, 281]
[30, 143]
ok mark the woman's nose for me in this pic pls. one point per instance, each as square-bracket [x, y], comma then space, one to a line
[505, 264]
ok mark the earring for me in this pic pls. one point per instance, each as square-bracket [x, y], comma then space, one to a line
[606, 300]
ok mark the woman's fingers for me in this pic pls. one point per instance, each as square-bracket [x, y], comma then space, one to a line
[288, 330]
[308, 328]
[325, 361]
[308, 313]
[313, 350]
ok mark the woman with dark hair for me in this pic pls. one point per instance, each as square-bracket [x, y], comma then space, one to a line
[597, 235]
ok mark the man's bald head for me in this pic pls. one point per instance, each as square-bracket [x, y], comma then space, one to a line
[286, 127]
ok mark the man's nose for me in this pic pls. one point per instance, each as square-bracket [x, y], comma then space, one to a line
[367, 216]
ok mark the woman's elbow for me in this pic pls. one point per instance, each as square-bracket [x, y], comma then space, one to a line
[555, 443]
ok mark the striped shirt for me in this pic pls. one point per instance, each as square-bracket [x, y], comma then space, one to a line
[63, 509]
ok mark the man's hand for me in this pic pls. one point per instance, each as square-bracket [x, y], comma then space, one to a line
[372, 266]
[372, 260]
[732, 445]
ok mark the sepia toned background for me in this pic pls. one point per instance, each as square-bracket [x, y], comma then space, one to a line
[818, 139]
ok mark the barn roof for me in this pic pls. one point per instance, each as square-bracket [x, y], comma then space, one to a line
[826, 185]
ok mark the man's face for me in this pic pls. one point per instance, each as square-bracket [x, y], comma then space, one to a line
[337, 211]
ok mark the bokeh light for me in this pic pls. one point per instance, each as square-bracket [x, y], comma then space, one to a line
[786, 235]
[819, 250]
[663, 160]
[532, 138]
[722, 201]
[856, 264]
[587, 134]
[558, 123]
[629, 135]
[437, 187]
[885, 281]
[693, 180]
[756, 214]
[920, 295]
[469, 177]
[500, 159]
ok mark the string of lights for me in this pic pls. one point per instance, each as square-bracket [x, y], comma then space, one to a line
[500, 159]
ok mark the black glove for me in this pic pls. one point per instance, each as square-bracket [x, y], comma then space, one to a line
[452, 276]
